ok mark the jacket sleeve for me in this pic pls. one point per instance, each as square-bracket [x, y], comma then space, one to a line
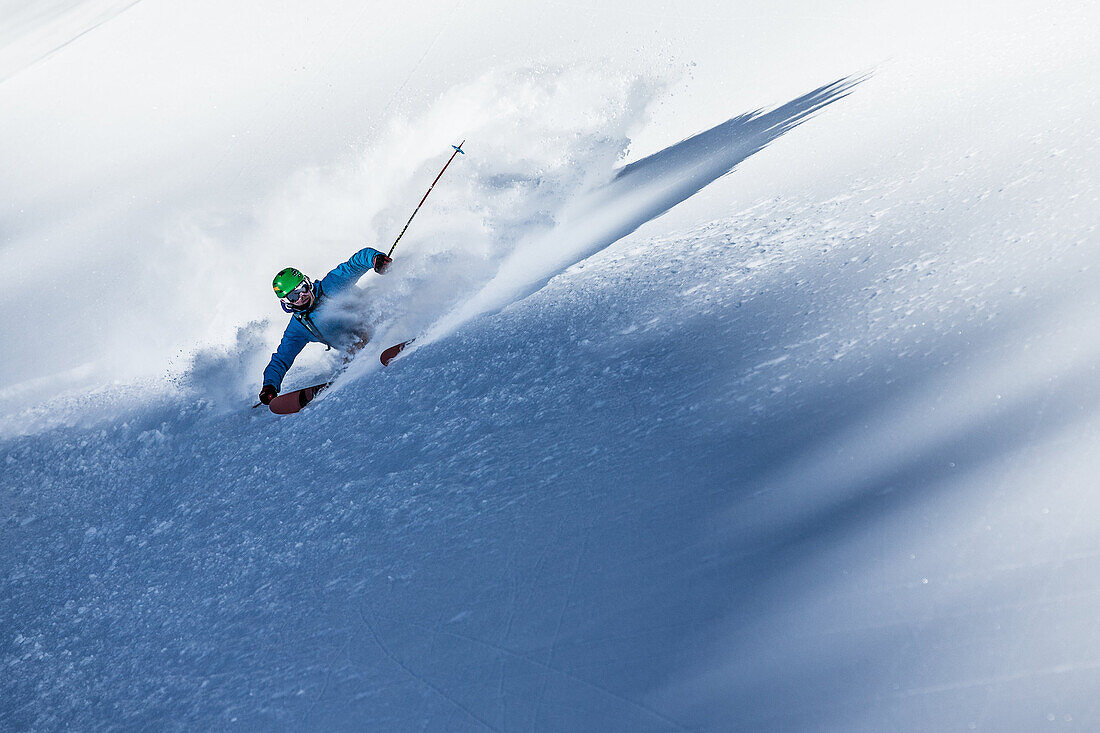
[348, 273]
[292, 344]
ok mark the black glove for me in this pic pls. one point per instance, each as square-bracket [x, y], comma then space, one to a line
[381, 262]
[267, 394]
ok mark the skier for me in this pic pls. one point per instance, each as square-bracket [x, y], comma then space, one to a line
[315, 313]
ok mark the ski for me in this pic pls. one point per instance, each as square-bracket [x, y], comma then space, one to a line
[388, 355]
[291, 402]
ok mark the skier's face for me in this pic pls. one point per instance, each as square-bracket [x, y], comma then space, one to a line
[301, 297]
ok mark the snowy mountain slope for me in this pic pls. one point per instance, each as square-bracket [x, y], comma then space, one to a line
[824, 462]
[791, 473]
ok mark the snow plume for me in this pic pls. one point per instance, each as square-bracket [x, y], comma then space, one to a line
[219, 377]
[227, 375]
[537, 139]
[616, 206]
[538, 190]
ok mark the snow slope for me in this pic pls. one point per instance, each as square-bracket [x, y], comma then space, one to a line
[822, 459]
[783, 470]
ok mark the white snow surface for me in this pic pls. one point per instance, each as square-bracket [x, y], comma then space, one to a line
[774, 415]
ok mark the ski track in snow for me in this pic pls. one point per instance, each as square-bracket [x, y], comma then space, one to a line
[753, 483]
[36, 31]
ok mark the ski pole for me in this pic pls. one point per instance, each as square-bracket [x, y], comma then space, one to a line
[458, 149]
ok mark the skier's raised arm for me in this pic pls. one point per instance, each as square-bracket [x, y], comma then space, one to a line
[348, 273]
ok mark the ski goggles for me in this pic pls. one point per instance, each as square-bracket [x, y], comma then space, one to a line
[297, 295]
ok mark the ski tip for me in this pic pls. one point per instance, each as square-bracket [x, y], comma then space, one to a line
[289, 403]
[388, 355]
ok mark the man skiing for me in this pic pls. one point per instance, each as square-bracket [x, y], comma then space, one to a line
[315, 313]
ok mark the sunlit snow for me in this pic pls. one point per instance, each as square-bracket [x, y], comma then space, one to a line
[755, 386]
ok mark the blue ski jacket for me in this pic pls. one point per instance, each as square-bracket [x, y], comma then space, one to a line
[318, 323]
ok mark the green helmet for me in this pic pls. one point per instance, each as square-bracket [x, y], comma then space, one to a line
[287, 279]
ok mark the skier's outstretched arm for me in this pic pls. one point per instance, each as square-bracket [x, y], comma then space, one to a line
[357, 265]
[362, 260]
[289, 348]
